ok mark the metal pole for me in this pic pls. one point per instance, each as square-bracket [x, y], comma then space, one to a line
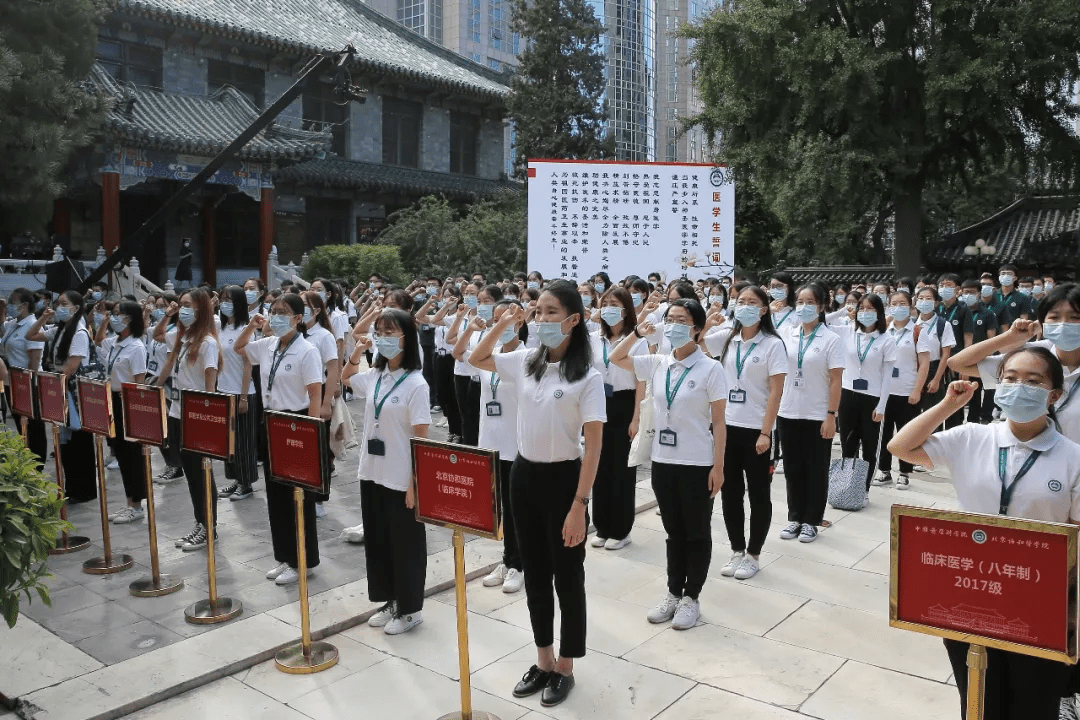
[67, 544]
[157, 584]
[976, 689]
[211, 565]
[462, 626]
[107, 563]
[301, 568]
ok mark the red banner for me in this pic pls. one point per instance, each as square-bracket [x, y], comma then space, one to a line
[22, 392]
[145, 419]
[299, 451]
[95, 407]
[52, 398]
[457, 487]
[1012, 582]
[207, 423]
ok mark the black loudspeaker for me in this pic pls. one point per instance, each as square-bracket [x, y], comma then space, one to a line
[63, 275]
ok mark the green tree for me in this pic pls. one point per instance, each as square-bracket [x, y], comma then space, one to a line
[849, 113]
[557, 100]
[758, 231]
[47, 48]
[354, 262]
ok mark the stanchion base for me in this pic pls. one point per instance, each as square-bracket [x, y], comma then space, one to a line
[476, 715]
[203, 613]
[291, 659]
[74, 544]
[146, 587]
[107, 566]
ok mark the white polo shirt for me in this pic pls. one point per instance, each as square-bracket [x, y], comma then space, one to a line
[690, 416]
[297, 368]
[80, 343]
[123, 360]
[324, 342]
[339, 322]
[551, 429]
[499, 432]
[614, 375]
[880, 355]
[807, 397]
[1049, 491]
[403, 405]
[906, 370]
[788, 320]
[232, 364]
[929, 330]
[838, 318]
[156, 355]
[190, 373]
[17, 346]
[762, 357]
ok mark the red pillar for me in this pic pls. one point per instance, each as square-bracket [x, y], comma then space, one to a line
[62, 217]
[266, 231]
[209, 244]
[110, 211]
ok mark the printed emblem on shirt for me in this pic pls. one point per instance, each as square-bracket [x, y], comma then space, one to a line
[394, 400]
[757, 359]
[288, 368]
[691, 384]
[558, 394]
[1054, 485]
[978, 322]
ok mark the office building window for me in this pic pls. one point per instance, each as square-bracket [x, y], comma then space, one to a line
[321, 112]
[410, 13]
[248, 80]
[130, 63]
[474, 20]
[401, 122]
[496, 23]
[517, 44]
[436, 21]
[464, 139]
[494, 64]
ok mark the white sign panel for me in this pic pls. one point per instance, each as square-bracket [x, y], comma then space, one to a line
[625, 218]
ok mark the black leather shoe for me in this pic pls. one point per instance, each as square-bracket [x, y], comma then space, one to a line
[532, 682]
[557, 690]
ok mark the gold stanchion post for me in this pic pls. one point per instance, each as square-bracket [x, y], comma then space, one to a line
[157, 584]
[305, 657]
[976, 689]
[467, 712]
[214, 609]
[24, 430]
[108, 563]
[66, 543]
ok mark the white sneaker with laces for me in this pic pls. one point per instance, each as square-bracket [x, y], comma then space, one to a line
[513, 582]
[808, 534]
[687, 614]
[747, 569]
[383, 616]
[113, 465]
[353, 534]
[273, 574]
[729, 567]
[597, 541]
[403, 623]
[496, 576]
[129, 514]
[791, 531]
[115, 513]
[288, 576]
[613, 544]
[664, 610]
[902, 482]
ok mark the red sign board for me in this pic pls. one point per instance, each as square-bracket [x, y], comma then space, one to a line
[145, 419]
[991, 580]
[207, 423]
[52, 398]
[95, 407]
[298, 450]
[22, 392]
[456, 487]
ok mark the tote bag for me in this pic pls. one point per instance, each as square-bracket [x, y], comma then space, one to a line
[641, 445]
[847, 479]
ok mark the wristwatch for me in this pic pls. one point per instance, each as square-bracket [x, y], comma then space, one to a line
[584, 500]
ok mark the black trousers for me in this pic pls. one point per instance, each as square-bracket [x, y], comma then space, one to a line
[129, 457]
[281, 510]
[260, 434]
[981, 405]
[446, 392]
[741, 458]
[429, 371]
[470, 419]
[613, 500]
[79, 460]
[857, 428]
[171, 449]
[395, 548]
[1018, 687]
[511, 553]
[898, 413]
[36, 438]
[193, 471]
[806, 469]
[541, 497]
[244, 466]
[682, 492]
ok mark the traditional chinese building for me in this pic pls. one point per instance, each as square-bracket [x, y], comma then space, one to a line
[187, 77]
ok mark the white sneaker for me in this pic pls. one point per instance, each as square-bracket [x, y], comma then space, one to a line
[514, 580]
[114, 465]
[902, 482]
[403, 623]
[808, 534]
[320, 511]
[779, 467]
[116, 513]
[613, 544]
[273, 574]
[289, 575]
[383, 616]
[496, 576]
[129, 514]
[884, 478]
[353, 534]
[664, 610]
[747, 569]
[597, 541]
[729, 568]
[791, 531]
[687, 614]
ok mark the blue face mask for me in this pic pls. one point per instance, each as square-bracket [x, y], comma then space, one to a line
[388, 347]
[96, 295]
[867, 317]
[307, 314]
[884, 298]
[251, 296]
[677, 334]
[806, 313]
[279, 325]
[778, 293]
[586, 300]
[1021, 403]
[987, 290]
[442, 304]
[322, 295]
[485, 312]
[925, 306]
[157, 314]
[947, 292]
[39, 305]
[599, 287]
[98, 319]
[117, 323]
[840, 298]
[471, 301]
[1025, 290]
[550, 334]
[636, 297]
[1065, 336]
[747, 315]
[63, 313]
[187, 316]
[899, 313]
[1006, 280]
[507, 335]
[227, 309]
[611, 315]
[969, 299]
[533, 284]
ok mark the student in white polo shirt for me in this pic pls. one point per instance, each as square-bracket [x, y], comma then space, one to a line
[396, 408]
[23, 353]
[755, 365]
[235, 379]
[1022, 468]
[807, 417]
[552, 475]
[940, 341]
[689, 395]
[292, 376]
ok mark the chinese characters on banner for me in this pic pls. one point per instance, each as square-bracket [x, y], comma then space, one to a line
[630, 218]
[456, 487]
[1004, 583]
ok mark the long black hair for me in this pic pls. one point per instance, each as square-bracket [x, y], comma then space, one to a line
[238, 298]
[134, 311]
[315, 303]
[394, 319]
[766, 326]
[879, 308]
[296, 305]
[70, 326]
[578, 358]
[784, 277]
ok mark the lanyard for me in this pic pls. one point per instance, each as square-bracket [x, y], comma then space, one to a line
[1006, 492]
[379, 403]
[276, 362]
[603, 343]
[859, 350]
[740, 359]
[113, 358]
[953, 313]
[784, 319]
[495, 380]
[802, 349]
[671, 393]
[1068, 396]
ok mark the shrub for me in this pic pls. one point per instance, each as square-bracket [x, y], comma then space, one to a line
[355, 262]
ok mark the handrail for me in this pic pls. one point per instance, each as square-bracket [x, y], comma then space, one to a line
[277, 273]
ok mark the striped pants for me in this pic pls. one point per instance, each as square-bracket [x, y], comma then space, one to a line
[244, 467]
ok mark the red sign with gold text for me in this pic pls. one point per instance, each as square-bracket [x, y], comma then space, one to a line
[456, 487]
[22, 392]
[207, 422]
[299, 451]
[1009, 581]
[52, 398]
[144, 413]
[95, 407]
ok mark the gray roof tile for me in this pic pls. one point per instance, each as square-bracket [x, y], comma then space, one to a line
[334, 173]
